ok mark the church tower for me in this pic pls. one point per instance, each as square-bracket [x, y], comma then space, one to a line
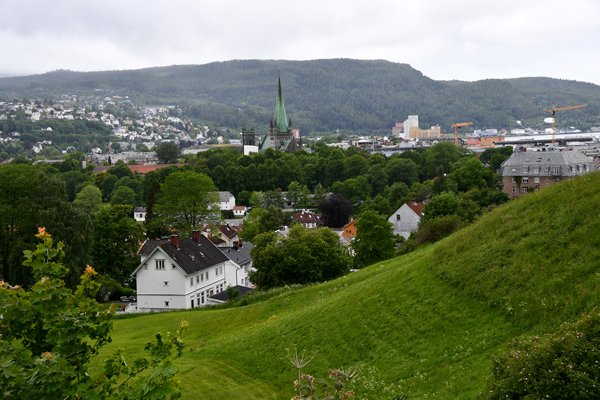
[280, 131]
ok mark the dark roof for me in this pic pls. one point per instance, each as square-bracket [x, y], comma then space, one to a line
[305, 217]
[149, 245]
[228, 231]
[191, 256]
[240, 255]
[139, 209]
[547, 163]
[223, 296]
[417, 207]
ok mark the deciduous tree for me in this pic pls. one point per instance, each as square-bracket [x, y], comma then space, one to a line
[374, 240]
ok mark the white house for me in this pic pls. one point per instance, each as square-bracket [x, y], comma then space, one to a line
[239, 211]
[139, 214]
[307, 218]
[405, 220]
[183, 273]
[226, 201]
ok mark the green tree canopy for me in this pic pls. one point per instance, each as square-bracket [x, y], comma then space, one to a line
[168, 152]
[123, 195]
[298, 258]
[185, 200]
[116, 241]
[89, 199]
[50, 334]
[375, 240]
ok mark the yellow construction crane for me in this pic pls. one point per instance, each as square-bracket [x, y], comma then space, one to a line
[457, 126]
[554, 109]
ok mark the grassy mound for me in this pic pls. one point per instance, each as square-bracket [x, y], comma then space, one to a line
[424, 325]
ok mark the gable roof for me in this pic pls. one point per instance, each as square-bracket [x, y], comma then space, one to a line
[417, 207]
[306, 217]
[224, 197]
[191, 256]
[228, 231]
[241, 255]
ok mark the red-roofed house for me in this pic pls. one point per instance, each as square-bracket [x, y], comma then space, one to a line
[306, 218]
[406, 219]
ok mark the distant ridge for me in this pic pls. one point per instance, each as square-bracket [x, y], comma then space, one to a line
[325, 95]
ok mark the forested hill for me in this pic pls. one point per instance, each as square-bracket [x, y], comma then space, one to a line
[325, 95]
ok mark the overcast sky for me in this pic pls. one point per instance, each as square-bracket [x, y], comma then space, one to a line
[444, 39]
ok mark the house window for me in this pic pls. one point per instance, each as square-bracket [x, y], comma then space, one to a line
[165, 283]
[525, 180]
[555, 170]
[525, 169]
[173, 266]
[192, 281]
[513, 180]
[202, 297]
[524, 190]
[206, 275]
[197, 278]
[513, 170]
[514, 189]
[397, 217]
[160, 264]
[536, 170]
[201, 276]
[166, 303]
[536, 179]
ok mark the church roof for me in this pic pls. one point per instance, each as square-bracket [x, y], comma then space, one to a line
[280, 119]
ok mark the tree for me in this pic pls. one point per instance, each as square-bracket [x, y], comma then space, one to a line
[297, 194]
[89, 199]
[440, 157]
[123, 195]
[335, 211]
[402, 170]
[374, 240]
[168, 153]
[261, 220]
[298, 258]
[469, 173]
[116, 241]
[185, 199]
[449, 203]
[50, 334]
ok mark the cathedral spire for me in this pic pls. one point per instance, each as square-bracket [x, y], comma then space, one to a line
[281, 119]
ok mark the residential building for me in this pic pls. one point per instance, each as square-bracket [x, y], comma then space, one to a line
[139, 214]
[240, 211]
[405, 220]
[226, 201]
[307, 219]
[529, 171]
[349, 230]
[183, 273]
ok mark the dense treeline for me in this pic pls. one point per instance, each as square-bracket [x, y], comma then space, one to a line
[325, 95]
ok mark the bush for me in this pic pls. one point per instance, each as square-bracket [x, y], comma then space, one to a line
[438, 228]
[563, 365]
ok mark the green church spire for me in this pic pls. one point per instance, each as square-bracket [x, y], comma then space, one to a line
[281, 121]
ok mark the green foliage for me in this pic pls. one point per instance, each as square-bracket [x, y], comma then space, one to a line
[469, 173]
[168, 152]
[374, 240]
[123, 195]
[89, 199]
[561, 365]
[432, 230]
[297, 258]
[449, 203]
[185, 199]
[116, 241]
[261, 220]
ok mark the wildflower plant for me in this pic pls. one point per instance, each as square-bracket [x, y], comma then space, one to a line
[50, 333]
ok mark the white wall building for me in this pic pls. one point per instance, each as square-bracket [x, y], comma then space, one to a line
[412, 122]
[226, 201]
[184, 273]
[405, 220]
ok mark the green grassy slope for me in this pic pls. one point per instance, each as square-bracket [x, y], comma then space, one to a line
[425, 324]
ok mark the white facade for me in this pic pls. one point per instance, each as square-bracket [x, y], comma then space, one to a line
[405, 221]
[226, 201]
[412, 122]
[139, 216]
[163, 285]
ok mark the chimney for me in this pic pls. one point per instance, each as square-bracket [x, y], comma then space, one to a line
[196, 236]
[175, 241]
